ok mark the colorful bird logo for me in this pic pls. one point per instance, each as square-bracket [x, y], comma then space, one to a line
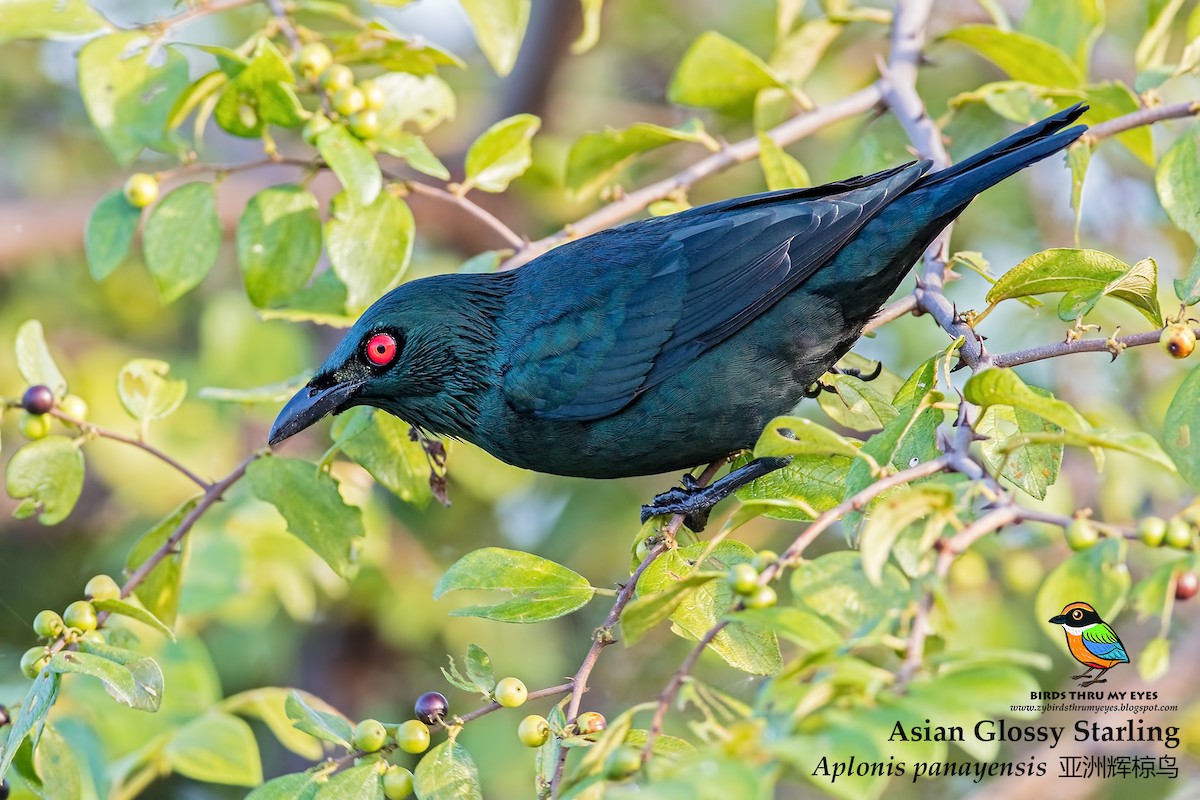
[1091, 640]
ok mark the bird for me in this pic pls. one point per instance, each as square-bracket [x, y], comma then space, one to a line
[1092, 642]
[664, 343]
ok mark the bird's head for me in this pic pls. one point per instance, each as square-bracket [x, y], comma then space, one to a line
[415, 353]
[1076, 615]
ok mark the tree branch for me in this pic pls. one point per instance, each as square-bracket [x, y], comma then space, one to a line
[1112, 345]
[480, 213]
[1136, 119]
[285, 23]
[550, 691]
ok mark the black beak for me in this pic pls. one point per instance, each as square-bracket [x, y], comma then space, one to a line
[1061, 619]
[310, 405]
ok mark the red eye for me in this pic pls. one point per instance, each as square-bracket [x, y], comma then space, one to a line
[381, 349]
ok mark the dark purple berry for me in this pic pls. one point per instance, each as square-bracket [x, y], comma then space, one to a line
[38, 399]
[4, 789]
[431, 707]
[5, 717]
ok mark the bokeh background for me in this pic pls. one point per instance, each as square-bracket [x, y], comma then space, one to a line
[269, 613]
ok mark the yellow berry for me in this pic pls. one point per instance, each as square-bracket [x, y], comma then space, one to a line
[534, 731]
[141, 189]
[373, 95]
[369, 736]
[337, 77]
[313, 59]
[1178, 340]
[34, 426]
[347, 101]
[413, 736]
[510, 692]
[102, 587]
[74, 406]
[80, 615]
[397, 783]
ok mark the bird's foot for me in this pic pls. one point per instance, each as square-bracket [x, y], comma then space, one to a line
[854, 372]
[1086, 684]
[1080, 677]
[695, 501]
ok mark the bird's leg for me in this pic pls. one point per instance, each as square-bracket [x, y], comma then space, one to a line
[696, 501]
[1098, 679]
[1082, 675]
[854, 372]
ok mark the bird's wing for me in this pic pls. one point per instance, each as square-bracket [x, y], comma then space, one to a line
[650, 297]
[1101, 640]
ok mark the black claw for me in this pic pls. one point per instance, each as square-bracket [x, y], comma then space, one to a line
[854, 372]
[695, 502]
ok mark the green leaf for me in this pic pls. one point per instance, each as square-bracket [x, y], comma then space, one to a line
[1034, 466]
[109, 234]
[126, 609]
[484, 262]
[278, 243]
[381, 444]
[130, 679]
[1187, 289]
[799, 53]
[269, 704]
[836, 587]
[856, 404]
[182, 239]
[309, 500]
[56, 768]
[907, 440]
[260, 95]
[319, 719]
[47, 475]
[1005, 387]
[798, 436]
[501, 153]
[807, 486]
[198, 92]
[37, 19]
[780, 169]
[648, 611]
[146, 392]
[1182, 443]
[479, 668]
[369, 246]
[425, 101]
[34, 361]
[1021, 56]
[1113, 99]
[719, 73]
[129, 83]
[1178, 182]
[891, 515]
[742, 645]
[447, 773]
[541, 589]
[1097, 575]
[1069, 25]
[1079, 158]
[499, 27]
[357, 783]
[591, 26]
[597, 158]
[215, 748]
[353, 164]
[299, 786]
[1084, 276]
[799, 625]
[1155, 659]
[322, 302]
[412, 149]
[32, 719]
[159, 590]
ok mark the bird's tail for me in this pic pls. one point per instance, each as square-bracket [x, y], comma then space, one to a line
[955, 186]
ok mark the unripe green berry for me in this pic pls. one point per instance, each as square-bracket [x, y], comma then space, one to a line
[102, 587]
[365, 124]
[764, 597]
[74, 406]
[33, 661]
[622, 762]
[92, 637]
[764, 559]
[374, 97]
[369, 736]
[1152, 531]
[313, 59]
[397, 783]
[141, 189]
[316, 125]
[80, 615]
[534, 731]
[337, 77]
[510, 692]
[744, 579]
[347, 101]
[412, 736]
[34, 426]
[1081, 534]
[1179, 534]
[48, 624]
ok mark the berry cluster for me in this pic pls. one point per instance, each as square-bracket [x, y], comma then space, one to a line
[38, 401]
[357, 104]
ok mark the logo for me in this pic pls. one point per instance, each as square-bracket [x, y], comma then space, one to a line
[1092, 642]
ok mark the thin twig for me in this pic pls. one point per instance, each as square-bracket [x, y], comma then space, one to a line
[1136, 119]
[791, 131]
[1056, 349]
[603, 635]
[676, 683]
[196, 11]
[480, 213]
[211, 496]
[91, 429]
[285, 23]
[550, 691]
